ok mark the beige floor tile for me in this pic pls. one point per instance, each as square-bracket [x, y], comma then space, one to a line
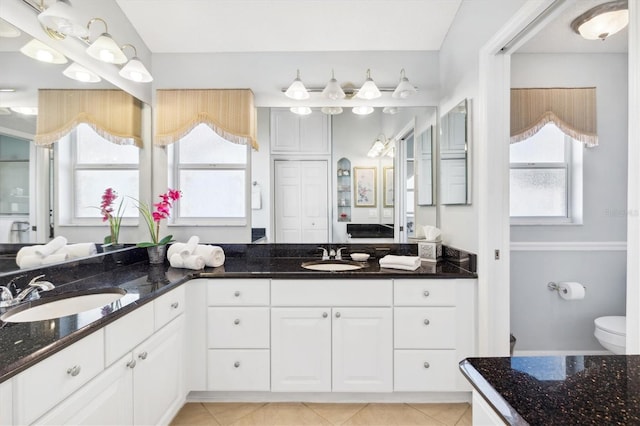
[390, 415]
[466, 419]
[194, 414]
[282, 414]
[449, 414]
[228, 412]
[336, 414]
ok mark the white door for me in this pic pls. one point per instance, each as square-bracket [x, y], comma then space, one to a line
[301, 201]
[301, 349]
[362, 350]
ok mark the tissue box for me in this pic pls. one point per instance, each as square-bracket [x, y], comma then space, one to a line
[430, 250]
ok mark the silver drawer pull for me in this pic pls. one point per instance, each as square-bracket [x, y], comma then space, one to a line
[236, 321]
[175, 305]
[426, 293]
[426, 365]
[132, 363]
[236, 364]
[337, 314]
[426, 322]
[236, 294]
[324, 315]
[143, 355]
[74, 371]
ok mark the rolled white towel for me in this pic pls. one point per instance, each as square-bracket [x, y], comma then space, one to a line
[213, 255]
[407, 263]
[52, 246]
[55, 258]
[29, 261]
[175, 248]
[190, 247]
[26, 251]
[75, 251]
[189, 262]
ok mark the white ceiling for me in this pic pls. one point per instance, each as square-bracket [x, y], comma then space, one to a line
[192, 26]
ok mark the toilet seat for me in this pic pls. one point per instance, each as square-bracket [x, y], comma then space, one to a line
[611, 333]
[613, 324]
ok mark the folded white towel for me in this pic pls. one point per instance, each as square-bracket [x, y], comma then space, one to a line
[29, 261]
[175, 248]
[55, 258]
[26, 251]
[79, 250]
[189, 262]
[190, 247]
[51, 247]
[407, 263]
[213, 255]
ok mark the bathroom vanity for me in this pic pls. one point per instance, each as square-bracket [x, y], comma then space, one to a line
[258, 328]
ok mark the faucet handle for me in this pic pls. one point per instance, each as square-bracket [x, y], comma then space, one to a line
[339, 253]
[325, 254]
[5, 294]
[34, 280]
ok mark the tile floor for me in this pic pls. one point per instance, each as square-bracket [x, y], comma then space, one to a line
[298, 414]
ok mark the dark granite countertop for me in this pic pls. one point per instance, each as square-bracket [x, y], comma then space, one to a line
[24, 344]
[559, 390]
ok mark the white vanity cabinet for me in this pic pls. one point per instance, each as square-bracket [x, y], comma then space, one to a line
[6, 402]
[292, 133]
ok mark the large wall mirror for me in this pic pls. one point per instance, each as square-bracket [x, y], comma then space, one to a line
[455, 185]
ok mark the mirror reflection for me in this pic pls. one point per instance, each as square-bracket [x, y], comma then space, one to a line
[454, 156]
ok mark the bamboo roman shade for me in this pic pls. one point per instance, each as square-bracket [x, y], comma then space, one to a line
[573, 110]
[228, 112]
[113, 114]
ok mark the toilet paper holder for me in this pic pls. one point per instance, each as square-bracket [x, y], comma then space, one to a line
[552, 286]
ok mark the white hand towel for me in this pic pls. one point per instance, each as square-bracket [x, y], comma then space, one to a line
[55, 258]
[75, 251]
[175, 248]
[408, 263]
[26, 251]
[29, 261]
[188, 262]
[52, 246]
[190, 247]
[213, 255]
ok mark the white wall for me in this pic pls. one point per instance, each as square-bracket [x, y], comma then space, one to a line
[535, 311]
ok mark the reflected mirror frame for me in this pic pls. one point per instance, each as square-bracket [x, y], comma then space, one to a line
[455, 145]
[429, 131]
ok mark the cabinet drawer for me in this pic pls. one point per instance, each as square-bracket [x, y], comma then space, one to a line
[44, 385]
[238, 328]
[238, 370]
[424, 293]
[238, 293]
[168, 306]
[425, 371]
[425, 328]
[331, 293]
[125, 333]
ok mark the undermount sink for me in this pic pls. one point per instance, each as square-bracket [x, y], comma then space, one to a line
[333, 265]
[62, 305]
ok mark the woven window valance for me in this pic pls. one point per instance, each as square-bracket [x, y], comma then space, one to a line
[113, 114]
[230, 113]
[573, 110]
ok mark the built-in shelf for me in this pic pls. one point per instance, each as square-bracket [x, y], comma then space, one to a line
[344, 190]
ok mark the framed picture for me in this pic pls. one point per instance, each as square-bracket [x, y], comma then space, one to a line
[387, 186]
[364, 179]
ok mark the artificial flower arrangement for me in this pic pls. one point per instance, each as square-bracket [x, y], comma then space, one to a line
[153, 218]
[106, 209]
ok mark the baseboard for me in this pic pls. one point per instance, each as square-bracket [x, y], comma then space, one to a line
[330, 397]
[562, 353]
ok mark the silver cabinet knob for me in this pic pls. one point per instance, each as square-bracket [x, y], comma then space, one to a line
[236, 321]
[236, 294]
[337, 314]
[143, 355]
[324, 315]
[426, 293]
[74, 371]
[426, 322]
[236, 364]
[426, 365]
[175, 305]
[132, 363]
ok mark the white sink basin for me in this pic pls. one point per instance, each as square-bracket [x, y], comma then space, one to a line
[332, 265]
[61, 306]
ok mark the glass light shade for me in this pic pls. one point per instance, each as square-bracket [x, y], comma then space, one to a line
[333, 90]
[80, 73]
[105, 49]
[369, 90]
[7, 30]
[362, 110]
[604, 25]
[301, 110]
[25, 110]
[376, 149]
[297, 90]
[404, 89]
[390, 110]
[4, 111]
[41, 52]
[136, 71]
[58, 17]
[333, 110]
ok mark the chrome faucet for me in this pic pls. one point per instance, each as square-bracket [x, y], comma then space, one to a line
[325, 254]
[31, 292]
[339, 254]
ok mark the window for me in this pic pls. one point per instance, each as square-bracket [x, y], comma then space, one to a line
[546, 179]
[212, 174]
[87, 164]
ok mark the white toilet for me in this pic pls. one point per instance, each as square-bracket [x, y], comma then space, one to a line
[611, 332]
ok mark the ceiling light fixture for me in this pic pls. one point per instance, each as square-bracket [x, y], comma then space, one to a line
[80, 73]
[25, 110]
[404, 89]
[369, 90]
[362, 110]
[333, 90]
[104, 48]
[58, 17]
[7, 30]
[331, 110]
[300, 110]
[39, 51]
[602, 21]
[297, 90]
[135, 70]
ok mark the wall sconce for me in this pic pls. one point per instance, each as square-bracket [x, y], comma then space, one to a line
[80, 73]
[41, 52]
[602, 21]
[297, 90]
[378, 146]
[104, 48]
[59, 18]
[404, 88]
[333, 90]
[369, 90]
[362, 110]
[135, 70]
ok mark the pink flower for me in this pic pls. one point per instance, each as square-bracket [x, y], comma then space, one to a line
[106, 208]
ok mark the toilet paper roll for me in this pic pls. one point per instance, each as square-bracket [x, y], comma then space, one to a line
[571, 290]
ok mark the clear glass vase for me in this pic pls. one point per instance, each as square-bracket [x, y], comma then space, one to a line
[157, 254]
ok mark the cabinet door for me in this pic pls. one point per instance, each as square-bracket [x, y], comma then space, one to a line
[362, 350]
[6, 403]
[157, 378]
[314, 133]
[285, 131]
[300, 350]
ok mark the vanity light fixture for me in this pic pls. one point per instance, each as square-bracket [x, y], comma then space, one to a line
[7, 30]
[80, 73]
[59, 18]
[369, 90]
[362, 110]
[300, 110]
[378, 146]
[602, 21]
[297, 90]
[25, 110]
[404, 88]
[135, 70]
[104, 48]
[333, 90]
[39, 51]
[331, 110]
